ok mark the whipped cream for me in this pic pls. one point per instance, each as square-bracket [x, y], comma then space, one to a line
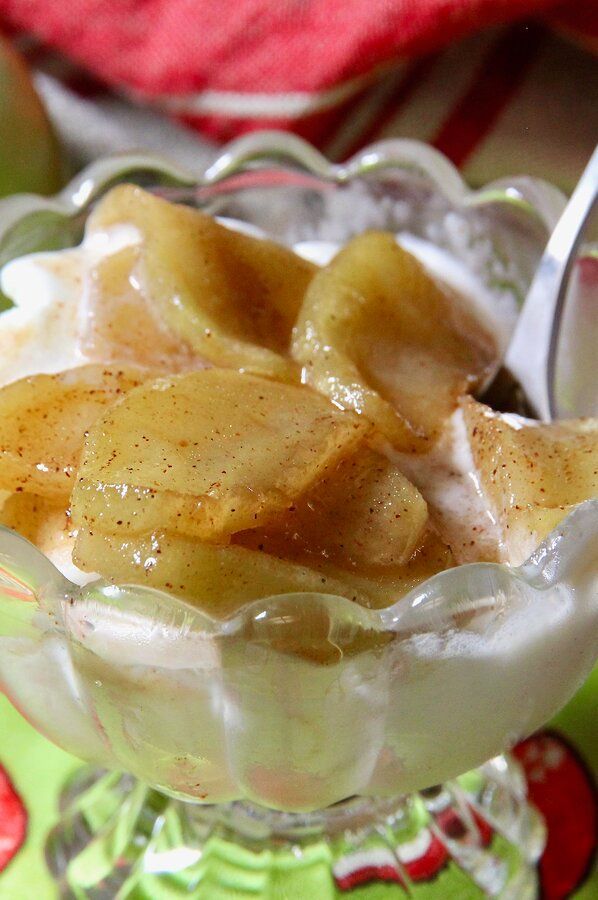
[447, 479]
[42, 332]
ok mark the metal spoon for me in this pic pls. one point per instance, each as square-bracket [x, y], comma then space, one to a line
[532, 353]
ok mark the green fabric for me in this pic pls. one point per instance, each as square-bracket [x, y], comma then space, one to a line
[226, 872]
[37, 770]
[579, 720]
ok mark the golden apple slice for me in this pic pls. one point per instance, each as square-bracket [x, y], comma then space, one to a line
[47, 524]
[380, 336]
[532, 474]
[43, 522]
[121, 324]
[219, 579]
[44, 419]
[371, 585]
[208, 453]
[232, 298]
[384, 585]
[364, 512]
[222, 578]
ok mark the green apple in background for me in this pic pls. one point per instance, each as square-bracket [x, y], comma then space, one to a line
[29, 153]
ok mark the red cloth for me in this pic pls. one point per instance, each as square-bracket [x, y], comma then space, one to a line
[178, 46]
[228, 67]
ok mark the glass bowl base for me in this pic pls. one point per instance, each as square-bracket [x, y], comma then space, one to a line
[476, 836]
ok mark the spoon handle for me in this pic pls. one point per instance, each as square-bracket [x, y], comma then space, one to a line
[532, 350]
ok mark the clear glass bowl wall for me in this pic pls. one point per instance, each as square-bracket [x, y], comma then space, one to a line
[302, 700]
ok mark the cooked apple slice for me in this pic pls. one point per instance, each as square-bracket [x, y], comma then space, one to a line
[532, 474]
[364, 512]
[371, 585]
[231, 297]
[380, 336]
[384, 585]
[121, 324]
[47, 524]
[44, 419]
[219, 579]
[208, 453]
[222, 578]
[41, 521]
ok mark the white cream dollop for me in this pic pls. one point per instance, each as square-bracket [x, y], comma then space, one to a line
[42, 332]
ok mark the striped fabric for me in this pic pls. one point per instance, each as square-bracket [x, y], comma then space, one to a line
[489, 101]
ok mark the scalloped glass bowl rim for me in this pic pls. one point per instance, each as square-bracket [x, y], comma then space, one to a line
[275, 150]
[409, 612]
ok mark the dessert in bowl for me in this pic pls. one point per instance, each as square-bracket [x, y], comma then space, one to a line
[262, 538]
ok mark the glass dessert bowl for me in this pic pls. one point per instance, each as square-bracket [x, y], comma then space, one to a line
[298, 700]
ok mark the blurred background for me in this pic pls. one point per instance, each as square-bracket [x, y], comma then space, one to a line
[500, 86]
